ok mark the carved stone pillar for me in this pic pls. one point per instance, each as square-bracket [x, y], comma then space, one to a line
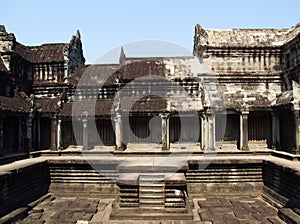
[165, 136]
[119, 132]
[297, 132]
[244, 131]
[203, 131]
[211, 131]
[58, 133]
[85, 134]
[53, 133]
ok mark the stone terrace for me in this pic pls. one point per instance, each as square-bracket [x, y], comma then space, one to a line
[62, 187]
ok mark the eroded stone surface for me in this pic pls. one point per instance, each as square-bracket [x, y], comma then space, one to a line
[62, 210]
[237, 210]
[243, 209]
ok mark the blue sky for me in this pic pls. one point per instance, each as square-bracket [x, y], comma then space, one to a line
[105, 25]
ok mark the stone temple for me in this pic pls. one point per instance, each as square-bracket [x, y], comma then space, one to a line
[213, 137]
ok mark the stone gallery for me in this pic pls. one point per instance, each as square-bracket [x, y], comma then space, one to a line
[213, 137]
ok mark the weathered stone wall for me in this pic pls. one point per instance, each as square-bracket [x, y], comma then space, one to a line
[224, 177]
[21, 186]
[7, 42]
[78, 177]
[256, 94]
[247, 78]
[281, 185]
[227, 60]
[291, 62]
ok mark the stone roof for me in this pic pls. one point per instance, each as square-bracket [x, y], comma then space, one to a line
[140, 69]
[47, 105]
[16, 103]
[93, 107]
[46, 53]
[245, 37]
[284, 99]
[93, 75]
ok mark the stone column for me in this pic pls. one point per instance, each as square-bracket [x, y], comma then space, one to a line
[203, 132]
[58, 133]
[297, 131]
[53, 133]
[165, 136]
[120, 146]
[85, 134]
[211, 131]
[244, 130]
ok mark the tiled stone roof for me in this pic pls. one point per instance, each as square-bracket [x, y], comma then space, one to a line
[97, 108]
[45, 53]
[16, 103]
[47, 105]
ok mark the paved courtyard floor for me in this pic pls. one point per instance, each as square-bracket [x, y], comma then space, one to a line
[214, 210]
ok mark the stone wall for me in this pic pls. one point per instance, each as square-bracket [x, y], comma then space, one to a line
[78, 177]
[244, 59]
[224, 177]
[21, 186]
[281, 185]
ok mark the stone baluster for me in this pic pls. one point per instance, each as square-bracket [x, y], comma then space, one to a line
[244, 130]
[58, 133]
[165, 132]
[119, 132]
[85, 134]
[211, 130]
[203, 132]
[53, 133]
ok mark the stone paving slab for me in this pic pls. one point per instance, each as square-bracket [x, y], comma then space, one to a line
[237, 210]
[213, 210]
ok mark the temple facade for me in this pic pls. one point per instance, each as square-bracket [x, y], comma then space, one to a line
[239, 90]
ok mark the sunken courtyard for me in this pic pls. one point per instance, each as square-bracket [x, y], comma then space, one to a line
[209, 138]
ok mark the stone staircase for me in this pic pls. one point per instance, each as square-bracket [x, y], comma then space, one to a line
[151, 191]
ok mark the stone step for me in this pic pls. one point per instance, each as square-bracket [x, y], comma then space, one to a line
[128, 195]
[151, 177]
[174, 200]
[150, 196]
[152, 203]
[149, 185]
[174, 205]
[152, 190]
[152, 214]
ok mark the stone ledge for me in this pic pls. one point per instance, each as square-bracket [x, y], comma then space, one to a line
[289, 216]
[286, 155]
